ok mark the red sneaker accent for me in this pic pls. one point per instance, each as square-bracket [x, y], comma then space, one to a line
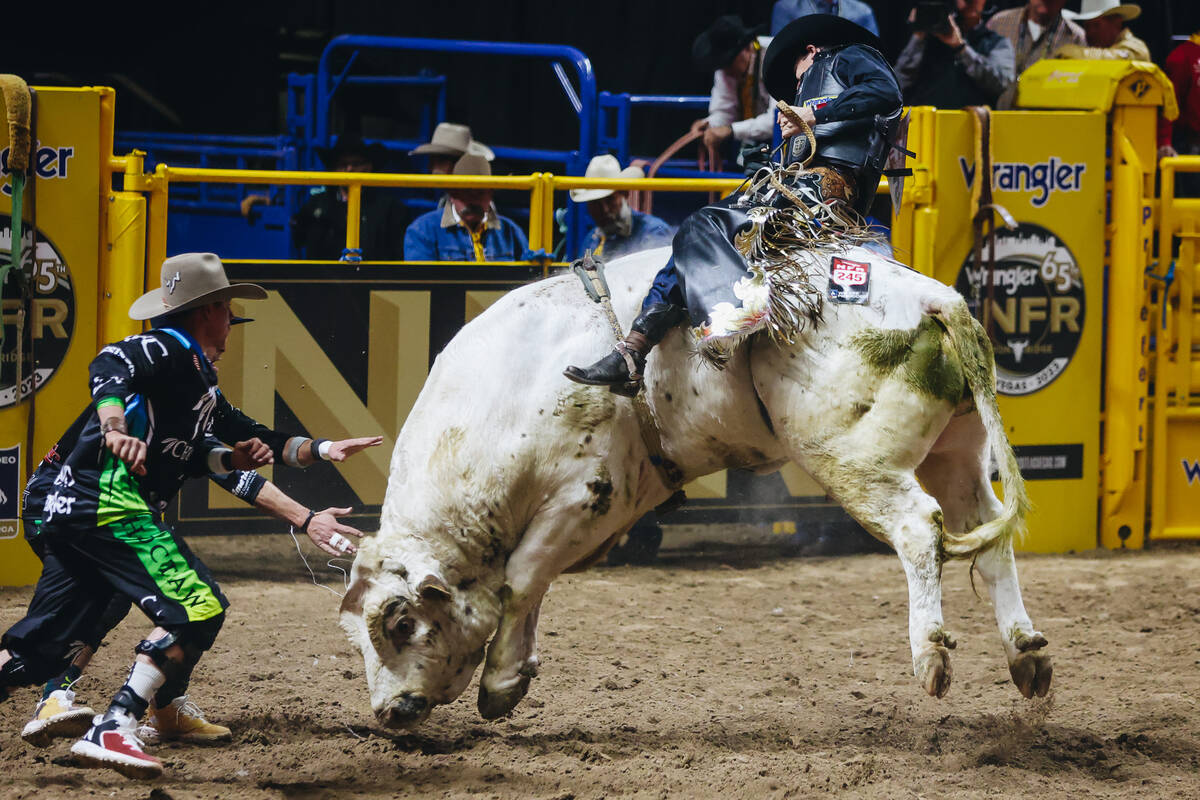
[115, 742]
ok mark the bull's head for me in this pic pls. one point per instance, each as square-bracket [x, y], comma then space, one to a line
[421, 632]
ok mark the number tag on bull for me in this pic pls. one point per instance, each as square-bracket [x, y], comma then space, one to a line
[849, 281]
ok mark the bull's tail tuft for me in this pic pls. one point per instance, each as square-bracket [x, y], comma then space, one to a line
[975, 351]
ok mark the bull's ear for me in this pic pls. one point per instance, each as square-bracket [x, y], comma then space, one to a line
[352, 601]
[433, 588]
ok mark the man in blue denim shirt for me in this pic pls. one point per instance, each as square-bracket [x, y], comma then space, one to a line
[619, 229]
[468, 228]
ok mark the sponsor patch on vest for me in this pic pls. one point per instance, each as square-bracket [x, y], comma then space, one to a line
[849, 281]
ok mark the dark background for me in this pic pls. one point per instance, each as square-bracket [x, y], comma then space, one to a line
[221, 67]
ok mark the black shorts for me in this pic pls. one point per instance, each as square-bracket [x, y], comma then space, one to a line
[144, 561]
[62, 617]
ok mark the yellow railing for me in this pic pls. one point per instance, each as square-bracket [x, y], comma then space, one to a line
[1176, 401]
[540, 185]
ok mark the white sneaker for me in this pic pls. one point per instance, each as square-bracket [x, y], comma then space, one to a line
[112, 743]
[57, 716]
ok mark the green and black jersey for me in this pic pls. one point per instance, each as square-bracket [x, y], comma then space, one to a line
[168, 389]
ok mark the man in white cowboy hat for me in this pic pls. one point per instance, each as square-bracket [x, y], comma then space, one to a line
[619, 229]
[449, 143]
[468, 228]
[1103, 22]
[96, 496]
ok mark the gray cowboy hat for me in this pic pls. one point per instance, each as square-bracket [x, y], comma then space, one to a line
[822, 30]
[190, 280]
[452, 139]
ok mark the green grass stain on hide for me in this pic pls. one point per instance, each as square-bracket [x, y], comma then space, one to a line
[931, 367]
[584, 408]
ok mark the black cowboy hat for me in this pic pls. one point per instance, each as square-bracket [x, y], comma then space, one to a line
[723, 40]
[822, 30]
[352, 144]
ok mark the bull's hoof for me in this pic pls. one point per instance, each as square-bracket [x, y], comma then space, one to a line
[1032, 671]
[934, 671]
[493, 705]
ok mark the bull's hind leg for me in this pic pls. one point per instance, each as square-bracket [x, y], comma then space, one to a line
[956, 473]
[893, 508]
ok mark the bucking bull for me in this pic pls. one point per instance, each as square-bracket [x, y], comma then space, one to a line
[506, 474]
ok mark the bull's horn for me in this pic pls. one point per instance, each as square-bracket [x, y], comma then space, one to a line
[432, 588]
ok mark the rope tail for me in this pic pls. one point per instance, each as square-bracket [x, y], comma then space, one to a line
[975, 351]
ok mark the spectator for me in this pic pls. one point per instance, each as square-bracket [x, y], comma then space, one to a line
[449, 143]
[1035, 30]
[319, 227]
[739, 107]
[1103, 22]
[469, 228]
[784, 11]
[619, 229]
[1182, 136]
[957, 63]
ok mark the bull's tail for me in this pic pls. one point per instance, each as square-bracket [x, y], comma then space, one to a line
[975, 351]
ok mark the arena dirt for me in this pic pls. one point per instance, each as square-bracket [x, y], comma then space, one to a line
[733, 674]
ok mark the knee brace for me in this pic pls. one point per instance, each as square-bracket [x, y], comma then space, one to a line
[15, 672]
[157, 649]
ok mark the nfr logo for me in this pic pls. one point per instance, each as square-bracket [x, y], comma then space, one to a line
[48, 163]
[1034, 302]
[1192, 470]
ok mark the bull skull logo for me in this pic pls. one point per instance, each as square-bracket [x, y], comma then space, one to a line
[1018, 348]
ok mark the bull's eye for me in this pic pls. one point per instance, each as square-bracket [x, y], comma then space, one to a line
[397, 624]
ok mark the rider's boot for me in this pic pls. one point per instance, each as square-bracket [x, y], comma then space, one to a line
[621, 370]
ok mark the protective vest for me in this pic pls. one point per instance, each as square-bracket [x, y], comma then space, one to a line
[859, 146]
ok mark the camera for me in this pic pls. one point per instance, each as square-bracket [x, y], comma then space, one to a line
[933, 16]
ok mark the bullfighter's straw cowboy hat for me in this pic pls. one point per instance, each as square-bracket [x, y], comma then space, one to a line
[190, 280]
[822, 30]
[605, 166]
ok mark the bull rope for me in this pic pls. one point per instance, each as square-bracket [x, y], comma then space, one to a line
[591, 273]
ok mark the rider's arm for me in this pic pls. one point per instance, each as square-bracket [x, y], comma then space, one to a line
[871, 87]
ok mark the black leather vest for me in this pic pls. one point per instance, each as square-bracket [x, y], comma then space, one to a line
[860, 144]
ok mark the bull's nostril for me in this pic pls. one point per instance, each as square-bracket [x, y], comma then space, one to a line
[406, 710]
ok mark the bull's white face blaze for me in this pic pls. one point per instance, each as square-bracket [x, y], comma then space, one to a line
[421, 638]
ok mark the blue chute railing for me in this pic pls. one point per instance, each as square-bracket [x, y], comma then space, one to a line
[211, 150]
[583, 99]
[605, 123]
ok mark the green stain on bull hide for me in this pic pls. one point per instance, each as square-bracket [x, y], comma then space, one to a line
[584, 408]
[931, 366]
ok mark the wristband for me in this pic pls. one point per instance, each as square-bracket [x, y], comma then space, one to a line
[216, 461]
[227, 460]
[315, 446]
[308, 519]
[113, 424]
[291, 451]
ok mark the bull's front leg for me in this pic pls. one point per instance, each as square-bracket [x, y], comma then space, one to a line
[1028, 663]
[511, 656]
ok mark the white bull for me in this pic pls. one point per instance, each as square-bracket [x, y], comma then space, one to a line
[506, 474]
